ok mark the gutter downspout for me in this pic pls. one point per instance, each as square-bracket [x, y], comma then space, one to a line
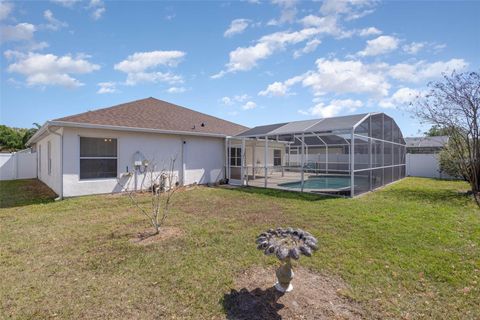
[60, 196]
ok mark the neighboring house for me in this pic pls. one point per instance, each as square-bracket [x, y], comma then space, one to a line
[422, 156]
[426, 145]
[89, 153]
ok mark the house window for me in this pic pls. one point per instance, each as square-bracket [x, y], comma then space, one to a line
[235, 157]
[98, 158]
[39, 158]
[49, 158]
[277, 157]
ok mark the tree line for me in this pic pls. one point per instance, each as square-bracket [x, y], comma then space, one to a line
[14, 139]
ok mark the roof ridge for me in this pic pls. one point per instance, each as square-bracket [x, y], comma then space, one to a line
[104, 108]
[146, 99]
[205, 114]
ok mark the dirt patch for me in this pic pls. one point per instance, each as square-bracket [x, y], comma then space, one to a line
[314, 296]
[148, 237]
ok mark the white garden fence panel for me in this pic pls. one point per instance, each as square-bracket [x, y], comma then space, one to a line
[18, 165]
[424, 165]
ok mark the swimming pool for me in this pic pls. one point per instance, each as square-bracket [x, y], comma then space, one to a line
[320, 182]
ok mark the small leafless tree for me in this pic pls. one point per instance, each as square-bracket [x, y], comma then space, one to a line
[454, 105]
[163, 185]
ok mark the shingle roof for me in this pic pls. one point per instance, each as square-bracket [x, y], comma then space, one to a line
[151, 113]
[426, 142]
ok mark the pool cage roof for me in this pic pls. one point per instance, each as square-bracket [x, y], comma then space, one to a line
[352, 154]
[315, 125]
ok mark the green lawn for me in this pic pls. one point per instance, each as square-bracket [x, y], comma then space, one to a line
[411, 250]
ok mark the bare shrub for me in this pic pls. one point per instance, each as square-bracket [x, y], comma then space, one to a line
[163, 184]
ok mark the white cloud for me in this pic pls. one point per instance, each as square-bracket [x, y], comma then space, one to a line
[401, 97]
[98, 13]
[228, 101]
[439, 47]
[106, 87]
[326, 25]
[65, 3]
[218, 75]
[246, 58]
[5, 10]
[380, 45]
[280, 89]
[98, 9]
[351, 9]
[237, 26]
[143, 77]
[241, 97]
[249, 105]
[139, 65]
[372, 31]
[176, 90]
[350, 76]
[334, 108]
[405, 95]
[141, 61]
[53, 23]
[347, 77]
[414, 47]
[288, 12]
[275, 89]
[423, 70]
[20, 32]
[36, 46]
[309, 47]
[49, 69]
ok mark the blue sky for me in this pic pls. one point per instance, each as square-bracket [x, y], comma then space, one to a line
[251, 62]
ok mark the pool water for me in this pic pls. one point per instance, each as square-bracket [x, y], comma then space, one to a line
[321, 182]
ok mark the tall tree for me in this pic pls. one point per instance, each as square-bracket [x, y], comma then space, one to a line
[29, 133]
[454, 104]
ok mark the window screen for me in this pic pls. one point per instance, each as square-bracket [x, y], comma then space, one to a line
[98, 158]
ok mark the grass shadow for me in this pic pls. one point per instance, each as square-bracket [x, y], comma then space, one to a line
[257, 304]
[284, 194]
[17, 193]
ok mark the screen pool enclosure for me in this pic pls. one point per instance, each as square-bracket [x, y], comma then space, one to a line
[344, 156]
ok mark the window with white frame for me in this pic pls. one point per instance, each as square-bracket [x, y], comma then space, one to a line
[49, 158]
[98, 158]
[277, 157]
[235, 157]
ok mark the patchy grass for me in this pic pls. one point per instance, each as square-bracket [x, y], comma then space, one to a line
[411, 250]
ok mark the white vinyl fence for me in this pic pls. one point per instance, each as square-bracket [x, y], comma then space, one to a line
[18, 165]
[424, 165]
